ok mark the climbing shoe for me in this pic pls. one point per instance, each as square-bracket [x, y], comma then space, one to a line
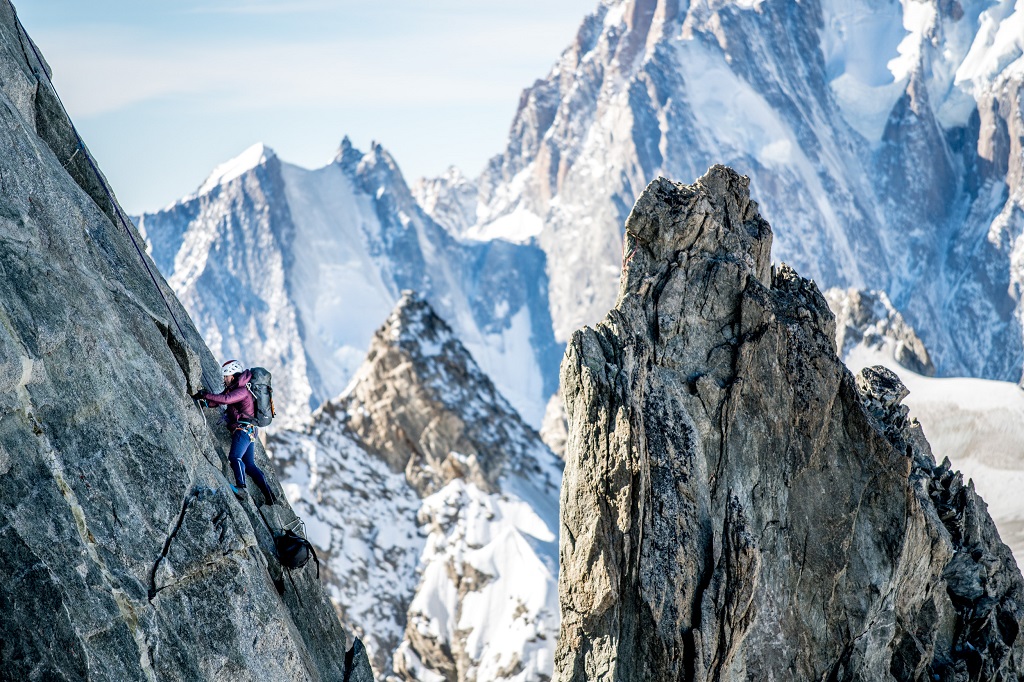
[238, 490]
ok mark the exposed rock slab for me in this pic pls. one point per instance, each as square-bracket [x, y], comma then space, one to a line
[122, 555]
[735, 505]
[977, 424]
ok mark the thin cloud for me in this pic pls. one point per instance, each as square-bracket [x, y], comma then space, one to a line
[109, 68]
[437, 81]
[263, 8]
[106, 76]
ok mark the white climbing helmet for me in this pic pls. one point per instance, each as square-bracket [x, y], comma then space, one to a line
[231, 368]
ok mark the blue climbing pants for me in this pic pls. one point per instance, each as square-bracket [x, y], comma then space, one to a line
[242, 459]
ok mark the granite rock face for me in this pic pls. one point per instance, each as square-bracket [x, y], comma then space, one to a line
[357, 664]
[122, 554]
[735, 504]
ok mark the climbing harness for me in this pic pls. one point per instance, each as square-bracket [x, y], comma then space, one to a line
[247, 428]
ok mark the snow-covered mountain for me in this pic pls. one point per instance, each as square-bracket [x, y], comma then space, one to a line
[294, 269]
[450, 199]
[362, 518]
[436, 508]
[882, 139]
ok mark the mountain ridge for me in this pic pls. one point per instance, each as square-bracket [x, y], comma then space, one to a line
[920, 197]
[435, 505]
[293, 268]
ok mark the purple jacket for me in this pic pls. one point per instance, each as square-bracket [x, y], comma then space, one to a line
[241, 404]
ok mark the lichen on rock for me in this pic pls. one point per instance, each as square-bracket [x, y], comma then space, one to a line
[734, 507]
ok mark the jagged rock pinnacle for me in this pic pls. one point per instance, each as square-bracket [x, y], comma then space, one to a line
[733, 507]
[421, 402]
[671, 218]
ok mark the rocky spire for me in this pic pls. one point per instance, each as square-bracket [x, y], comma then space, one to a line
[448, 562]
[423, 404]
[735, 505]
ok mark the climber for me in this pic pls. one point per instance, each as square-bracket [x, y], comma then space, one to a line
[240, 410]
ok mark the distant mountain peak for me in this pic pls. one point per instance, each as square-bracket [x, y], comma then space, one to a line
[347, 156]
[450, 199]
[254, 156]
[422, 404]
[484, 532]
[379, 155]
[413, 325]
[868, 320]
[375, 165]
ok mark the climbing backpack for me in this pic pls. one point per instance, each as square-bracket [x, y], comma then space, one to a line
[294, 551]
[263, 393]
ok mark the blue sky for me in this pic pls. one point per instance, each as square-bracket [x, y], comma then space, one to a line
[163, 92]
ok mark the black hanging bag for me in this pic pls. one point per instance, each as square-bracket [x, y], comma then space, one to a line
[263, 393]
[294, 551]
